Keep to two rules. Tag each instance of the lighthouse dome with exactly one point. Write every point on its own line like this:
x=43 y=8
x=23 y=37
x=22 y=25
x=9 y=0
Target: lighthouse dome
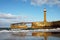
x=44 y=9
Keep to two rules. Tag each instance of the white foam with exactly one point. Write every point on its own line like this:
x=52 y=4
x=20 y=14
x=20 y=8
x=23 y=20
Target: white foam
x=37 y=30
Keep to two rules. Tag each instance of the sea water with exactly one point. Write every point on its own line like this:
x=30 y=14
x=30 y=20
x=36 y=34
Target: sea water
x=12 y=36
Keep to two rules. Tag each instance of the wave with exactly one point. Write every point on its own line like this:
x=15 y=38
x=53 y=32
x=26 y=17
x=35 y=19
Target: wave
x=36 y=30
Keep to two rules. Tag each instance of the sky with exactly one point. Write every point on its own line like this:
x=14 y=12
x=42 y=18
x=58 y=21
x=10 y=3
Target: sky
x=15 y=11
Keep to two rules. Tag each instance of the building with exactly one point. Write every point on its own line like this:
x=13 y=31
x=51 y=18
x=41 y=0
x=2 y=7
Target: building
x=18 y=26
x=45 y=24
x=40 y=24
x=36 y=25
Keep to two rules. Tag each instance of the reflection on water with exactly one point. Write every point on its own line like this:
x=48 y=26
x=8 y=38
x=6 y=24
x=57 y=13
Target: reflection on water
x=29 y=36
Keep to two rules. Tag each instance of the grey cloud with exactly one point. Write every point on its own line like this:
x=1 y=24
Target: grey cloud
x=4 y=23
x=8 y=16
x=38 y=2
x=46 y=2
x=8 y=22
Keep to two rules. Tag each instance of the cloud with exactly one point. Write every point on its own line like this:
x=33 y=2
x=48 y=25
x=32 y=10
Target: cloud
x=4 y=23
x=8 y=22
x=38 y=2
x=45 y=2
x=8 y=16
x=6 y=19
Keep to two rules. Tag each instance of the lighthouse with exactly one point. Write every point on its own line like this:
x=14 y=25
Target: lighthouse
x=44 y=15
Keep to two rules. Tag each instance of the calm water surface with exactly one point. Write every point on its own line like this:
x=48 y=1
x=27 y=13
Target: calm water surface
x=12 y=36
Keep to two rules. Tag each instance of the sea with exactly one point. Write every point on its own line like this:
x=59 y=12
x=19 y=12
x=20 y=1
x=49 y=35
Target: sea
x=18 y=36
